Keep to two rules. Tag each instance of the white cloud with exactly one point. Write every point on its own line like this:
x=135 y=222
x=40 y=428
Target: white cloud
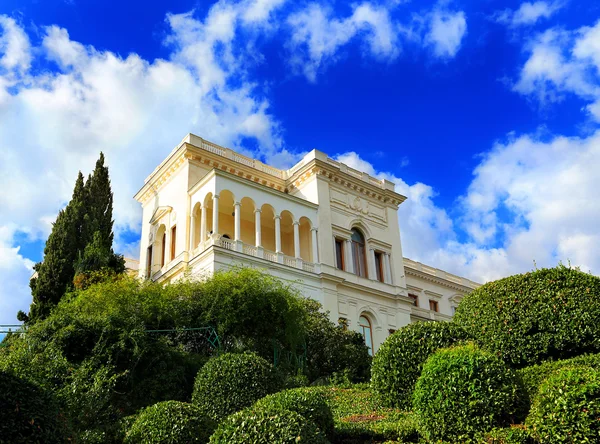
x=320 y=35
x=563 y=62
x=14 y=46
x=528 y=13
x=446 y=32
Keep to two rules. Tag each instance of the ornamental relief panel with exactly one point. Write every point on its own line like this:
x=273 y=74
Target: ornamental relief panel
x=357 y=205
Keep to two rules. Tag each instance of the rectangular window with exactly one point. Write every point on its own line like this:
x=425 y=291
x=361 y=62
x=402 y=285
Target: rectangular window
x=433 y=305
x=415 y=299
x=173 y=241
x=379 y=266
x=358 y=256
x=339 y=254
x=149 y=262
x=162 y=253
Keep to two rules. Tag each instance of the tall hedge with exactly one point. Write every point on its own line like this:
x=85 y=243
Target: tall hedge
x=398 y=363
x=28 y=413
x=529 y=318
x=464 y=391
x=232 y=382
x=566 y=408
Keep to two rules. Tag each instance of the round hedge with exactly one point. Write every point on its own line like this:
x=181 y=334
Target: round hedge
x=547 y=314
x=566 y=408
x=230 y=382
x=309 y=404
x=397 y=365
x=463 y=391
x=28 y=413
x=266 y=427
x=170 y=422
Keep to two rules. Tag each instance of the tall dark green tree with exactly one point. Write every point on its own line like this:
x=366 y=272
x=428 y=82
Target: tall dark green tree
x=80 y=242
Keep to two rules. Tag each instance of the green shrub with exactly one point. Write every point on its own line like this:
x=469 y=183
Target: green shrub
x=310 y=404
x=525 y=319
x=397 y=365
x=463 y=391
x=266 y=427
x=566 y=408
x=331 y=349
x=231 y=382
x=28 y=413
x=170 y=422
x=508 y=435
x=534 y=375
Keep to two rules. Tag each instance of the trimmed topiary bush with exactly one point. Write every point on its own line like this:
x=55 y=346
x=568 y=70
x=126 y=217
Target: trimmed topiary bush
x=566 y=408
x=231 y=382
x=397 y=365
x=28 y=413
x=266 y=427
x=170 y=422
x=534 y=375
x=525 y=319
x=464 y=391
x=311 y=404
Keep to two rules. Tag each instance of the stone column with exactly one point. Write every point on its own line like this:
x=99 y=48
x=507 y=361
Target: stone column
x=238 y=221
x=315 y=252
x=296 y=239
x=277 y=233
x=215 y=229
x=258 y=240
x=348 y=254
x=386 y=268
x=168 y=245
x=192 y=232
x=371 y=265
x=203 y=224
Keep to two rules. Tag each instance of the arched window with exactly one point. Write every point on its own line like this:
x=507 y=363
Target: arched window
x=359 y=256
x=365 y=329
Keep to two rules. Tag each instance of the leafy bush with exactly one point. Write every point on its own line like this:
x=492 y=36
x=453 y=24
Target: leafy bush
x=534 y=375
x=547 y=314
x=231 y=382
x=509 y=435
x=170 y=422
x=266 y=427
x=463 y=391
x=567 y=407
x=29 y=413
x=310 y=404
x=397 y=365
x=333 y=350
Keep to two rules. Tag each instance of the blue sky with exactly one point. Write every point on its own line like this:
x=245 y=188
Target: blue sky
x=484 y=113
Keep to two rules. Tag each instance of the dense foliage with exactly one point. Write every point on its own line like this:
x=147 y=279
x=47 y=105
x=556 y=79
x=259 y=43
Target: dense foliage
x=170 y=422
x=267 y=427
x=566 y=408
x=80 y=242
x=507 y=435
x=547 y=314
x=29 y=413
x=311 y=404
x=333 y=350
x=463 y=391
x=534 y=375
x=233 y=381
x=397 y=365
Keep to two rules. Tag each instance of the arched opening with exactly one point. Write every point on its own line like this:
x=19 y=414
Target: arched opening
x=267 y=227
x=366 y=330
x=359 y=254
x=287 y=233
x=195 y=229
x=226 y=214
x=306 y=252
x=160 y=246
x=247 y=221
x=208 y=209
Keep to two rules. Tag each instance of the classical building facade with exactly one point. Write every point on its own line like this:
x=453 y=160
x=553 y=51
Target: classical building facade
x=328 y=229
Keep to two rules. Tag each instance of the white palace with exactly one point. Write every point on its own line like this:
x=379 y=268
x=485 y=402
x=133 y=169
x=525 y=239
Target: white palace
x=328 y=229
